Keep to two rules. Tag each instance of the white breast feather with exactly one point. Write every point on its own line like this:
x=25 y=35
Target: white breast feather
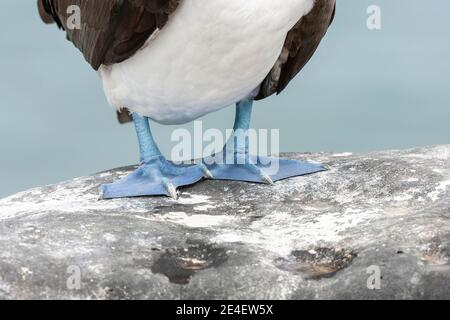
x=211 y=54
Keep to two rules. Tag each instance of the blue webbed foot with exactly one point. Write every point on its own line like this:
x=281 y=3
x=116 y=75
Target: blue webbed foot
x=235 y=163
x=261 y=169
x=154 y=177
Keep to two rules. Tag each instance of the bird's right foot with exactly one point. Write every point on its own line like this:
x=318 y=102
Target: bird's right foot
x=154 y=177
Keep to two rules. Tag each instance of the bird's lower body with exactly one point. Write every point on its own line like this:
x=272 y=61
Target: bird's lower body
x=158 y=176
x=210 y=55
x=200 y=62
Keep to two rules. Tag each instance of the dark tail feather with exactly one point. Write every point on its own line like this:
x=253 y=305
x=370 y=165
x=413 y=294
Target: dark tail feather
x=124 y=116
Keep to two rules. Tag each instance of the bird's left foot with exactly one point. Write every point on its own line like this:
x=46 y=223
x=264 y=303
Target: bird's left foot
x=259 y=169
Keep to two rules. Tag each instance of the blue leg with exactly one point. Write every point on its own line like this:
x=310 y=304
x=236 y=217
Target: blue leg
x=235 y=162
x=155 y=175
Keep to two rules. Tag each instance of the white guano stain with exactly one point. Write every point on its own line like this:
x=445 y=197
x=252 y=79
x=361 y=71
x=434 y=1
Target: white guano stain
x=411 y=180
x=110 y=237
x=192 y=221
x=281 y=232
x=441 y=188
x=205 y=208
x=343 y=154
x=194 y=199
x=403 y=197
x=63 y=199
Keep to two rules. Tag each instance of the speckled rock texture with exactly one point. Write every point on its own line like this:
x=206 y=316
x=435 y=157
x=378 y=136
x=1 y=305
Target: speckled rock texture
x=376 y=226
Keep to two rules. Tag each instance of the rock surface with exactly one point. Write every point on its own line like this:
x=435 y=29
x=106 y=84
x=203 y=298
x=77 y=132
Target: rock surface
x=323 y=236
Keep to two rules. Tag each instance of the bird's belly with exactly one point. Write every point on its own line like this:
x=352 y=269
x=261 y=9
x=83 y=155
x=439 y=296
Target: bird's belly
x=210 y=55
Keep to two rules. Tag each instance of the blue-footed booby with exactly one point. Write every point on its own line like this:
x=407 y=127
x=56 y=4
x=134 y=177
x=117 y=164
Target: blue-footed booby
x=174 y=61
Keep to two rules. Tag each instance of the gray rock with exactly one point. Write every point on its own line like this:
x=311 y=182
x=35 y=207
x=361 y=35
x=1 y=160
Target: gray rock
x=322 y=236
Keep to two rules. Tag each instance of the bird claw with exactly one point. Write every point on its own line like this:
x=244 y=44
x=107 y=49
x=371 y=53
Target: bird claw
x=208 y=174
x=171 y=190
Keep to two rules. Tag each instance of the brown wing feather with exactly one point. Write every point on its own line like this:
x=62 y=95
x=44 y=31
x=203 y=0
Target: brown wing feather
x=301 y=43
x=44 y=12
x=111 y=30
